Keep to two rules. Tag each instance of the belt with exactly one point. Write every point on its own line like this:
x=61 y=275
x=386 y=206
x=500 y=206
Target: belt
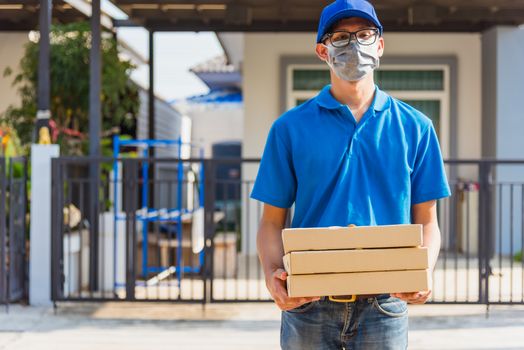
x=351 y=298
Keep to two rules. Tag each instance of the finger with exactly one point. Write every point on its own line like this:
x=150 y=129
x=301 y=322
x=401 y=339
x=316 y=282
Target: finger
x=401 y=296
x=419 y=298
x=422 y=294
x=307 y=299
x=408 y=297
x=404 y=298
x=412 y=299
x=405 y=295
x=296 y=302
x=280 y=293
x=280 y=274
x=419 y=301
x=423 y=297
x=278 y=290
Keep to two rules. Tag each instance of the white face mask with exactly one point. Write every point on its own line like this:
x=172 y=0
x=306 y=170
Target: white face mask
x=354 y=61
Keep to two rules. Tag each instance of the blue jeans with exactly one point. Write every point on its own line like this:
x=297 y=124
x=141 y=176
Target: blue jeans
x=379 y=323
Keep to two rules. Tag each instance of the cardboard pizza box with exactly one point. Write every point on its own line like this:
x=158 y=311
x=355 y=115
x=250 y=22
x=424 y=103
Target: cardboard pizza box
x=357 y=283
x=356 y=260
x=336 y=237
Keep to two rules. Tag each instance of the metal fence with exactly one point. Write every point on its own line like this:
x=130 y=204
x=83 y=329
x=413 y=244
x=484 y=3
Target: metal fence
x=182 y=235
x=13 y=230
x=141 y=255
x=482 y=227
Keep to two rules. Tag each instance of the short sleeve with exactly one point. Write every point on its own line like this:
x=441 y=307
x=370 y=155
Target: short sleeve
x=276 y=181
x=428 y=179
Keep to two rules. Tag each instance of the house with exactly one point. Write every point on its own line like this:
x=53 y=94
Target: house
x=459 y=62
x=218 y=116
x=466 y=80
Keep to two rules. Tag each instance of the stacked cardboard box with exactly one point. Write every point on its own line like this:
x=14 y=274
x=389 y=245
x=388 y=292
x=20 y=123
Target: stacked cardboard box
x=355 y=260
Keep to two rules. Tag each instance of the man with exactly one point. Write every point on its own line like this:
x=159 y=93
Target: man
x=350 y=155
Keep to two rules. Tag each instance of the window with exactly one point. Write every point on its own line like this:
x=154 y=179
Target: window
x=425 y=87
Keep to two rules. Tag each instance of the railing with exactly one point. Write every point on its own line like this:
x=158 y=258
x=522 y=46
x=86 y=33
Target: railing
x=13 y=230
x=140 y=254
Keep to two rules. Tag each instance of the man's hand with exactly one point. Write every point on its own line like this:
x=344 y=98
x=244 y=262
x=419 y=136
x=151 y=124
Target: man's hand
x=413 y=298
x=425 y=214
x=416 y=297
x=270 y=252
x=277 y=287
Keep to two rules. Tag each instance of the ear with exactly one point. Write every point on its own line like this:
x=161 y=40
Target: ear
x=322 y=52
x=380 y=48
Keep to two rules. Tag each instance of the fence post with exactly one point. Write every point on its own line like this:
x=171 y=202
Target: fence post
x=11 y=276
x=3 y=233
x=93 y=215
x=209 y=227
x=57 y=220
x=130 y=203
x=25 y=199
x=485 y=226
x=40 y=267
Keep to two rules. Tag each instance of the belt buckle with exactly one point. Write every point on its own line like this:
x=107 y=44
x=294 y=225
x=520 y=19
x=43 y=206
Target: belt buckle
x=342 y=299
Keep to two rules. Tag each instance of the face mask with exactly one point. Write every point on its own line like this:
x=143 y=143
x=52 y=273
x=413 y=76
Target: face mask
x=354 y=61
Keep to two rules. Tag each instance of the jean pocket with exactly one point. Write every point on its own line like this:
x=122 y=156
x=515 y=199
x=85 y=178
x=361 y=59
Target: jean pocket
x=393 y=307
x=303 y=308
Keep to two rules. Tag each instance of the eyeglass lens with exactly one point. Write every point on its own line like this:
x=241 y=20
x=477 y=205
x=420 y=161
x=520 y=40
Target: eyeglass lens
x=364 y=37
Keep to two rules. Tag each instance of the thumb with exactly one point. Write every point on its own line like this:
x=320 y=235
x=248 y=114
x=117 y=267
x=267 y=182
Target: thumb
x=281 y=274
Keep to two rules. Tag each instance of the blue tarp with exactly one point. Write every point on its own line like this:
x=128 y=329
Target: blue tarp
x=218 y=96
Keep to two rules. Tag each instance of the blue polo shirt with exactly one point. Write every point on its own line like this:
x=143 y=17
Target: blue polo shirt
x=339 y=172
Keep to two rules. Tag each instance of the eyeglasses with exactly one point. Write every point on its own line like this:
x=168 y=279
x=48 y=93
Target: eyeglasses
x=342 y=38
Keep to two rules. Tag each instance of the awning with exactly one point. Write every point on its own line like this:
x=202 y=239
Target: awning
x=23 y=15
x=303 y=15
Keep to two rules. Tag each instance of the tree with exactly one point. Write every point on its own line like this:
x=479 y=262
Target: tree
x=70 y=89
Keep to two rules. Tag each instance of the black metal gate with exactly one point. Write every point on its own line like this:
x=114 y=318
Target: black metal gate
x=140 y=254
x=13 y=230
x=235 y=272
x=136 y=245
x=482 y=226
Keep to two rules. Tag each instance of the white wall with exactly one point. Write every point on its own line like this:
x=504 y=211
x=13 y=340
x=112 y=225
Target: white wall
x=210 y=125
x=11 y=51
x=168 y=123
x=503 y=125
x=262 y=91
x=262 y=82
x=467 y=49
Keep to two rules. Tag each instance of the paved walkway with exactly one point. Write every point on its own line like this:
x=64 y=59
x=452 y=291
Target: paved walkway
x=232 y=326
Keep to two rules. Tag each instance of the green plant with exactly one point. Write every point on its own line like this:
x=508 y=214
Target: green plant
x=518 y=256
x=70 y=89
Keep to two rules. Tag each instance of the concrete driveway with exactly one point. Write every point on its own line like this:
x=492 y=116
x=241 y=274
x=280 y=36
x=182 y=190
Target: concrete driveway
x=133 y=326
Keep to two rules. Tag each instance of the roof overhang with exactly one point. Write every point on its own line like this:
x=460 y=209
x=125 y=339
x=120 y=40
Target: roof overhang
x=303 y=15
x=23 y=15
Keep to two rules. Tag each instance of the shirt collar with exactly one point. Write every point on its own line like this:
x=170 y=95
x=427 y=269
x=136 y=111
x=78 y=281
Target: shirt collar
x=325 y=99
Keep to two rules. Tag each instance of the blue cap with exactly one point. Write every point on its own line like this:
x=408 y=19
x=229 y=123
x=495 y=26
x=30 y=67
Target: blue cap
x=341 y=9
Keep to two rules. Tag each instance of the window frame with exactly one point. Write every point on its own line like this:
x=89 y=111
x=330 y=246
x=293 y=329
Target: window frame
x=443 y=96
